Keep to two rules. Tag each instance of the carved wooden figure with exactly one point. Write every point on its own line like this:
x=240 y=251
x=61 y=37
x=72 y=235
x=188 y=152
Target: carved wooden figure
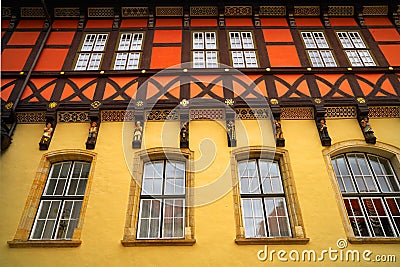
x=137 y=135
x=184 y=135
x=323 y=132
x=367 y=130
x=231 y=132
x=280 y=141
x=92 y=137
x=46 y=136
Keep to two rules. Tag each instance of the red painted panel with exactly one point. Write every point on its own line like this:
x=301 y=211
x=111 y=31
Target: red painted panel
x=5 y=23
x=233 y=22
x=273 y=22
x=385 y=34
x=13 y=59
x=101 y=23
x=164 y=57
x=60 y=38
x=308 y=22
x=169 y=22
x=133 y=23
x=167 y=36
x=391 y=53
x=65 y=24
x=377 y=21
x=23 y=38
x=2 y=33
x=51 y=59
x=276 y=58
x=277 y=35
x=203 y=22
x=343 y=22
x=30 y=24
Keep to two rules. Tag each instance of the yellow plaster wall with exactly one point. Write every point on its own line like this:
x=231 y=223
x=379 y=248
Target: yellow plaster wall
x=214 y=222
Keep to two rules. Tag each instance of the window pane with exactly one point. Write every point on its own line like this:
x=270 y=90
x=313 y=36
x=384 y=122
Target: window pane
x=100 y=42
x=120 y=61
x=308 y=40
x=249 y=181
x=211 y=59
x=366 y=58
x=88 y=42
x=198 y=40
x=124 y=41
x=137 y=41
x=357 y=40
x=198 y=59
x=234 y=38
x=211 y=41
x=345 y=40
x=277 y=216
x=247 y=40
x=174 y=178
x=152 y=178
x=173 y=218
x=315 y=58
x=237 y=59
x=254 y=222
x=133 y=61
x=82 y=62
x=320 y=40
x=149 y=219
x=353 y=58
x=328 y=58
x=251 y=59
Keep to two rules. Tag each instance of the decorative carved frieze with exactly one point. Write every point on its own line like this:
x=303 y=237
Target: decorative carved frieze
x=32 y=12
x=384 y=112
x=162 y=114
x=306 y=11
x=238 y=11
x=31 y=117
x=272 y=11
x=340 y=112
x=202 y=11
x=116 y=115
x=297 y=113
x=100 y=12
x=6 y=12
x=252 y=113
x=340 y=11
x=375 y=10
x=135 y=12
x=169 y=11
x=212 y=114
x=73 y=116
x=66 y=12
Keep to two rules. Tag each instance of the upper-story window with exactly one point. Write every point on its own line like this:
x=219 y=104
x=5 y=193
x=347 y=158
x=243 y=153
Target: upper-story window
x=355 y=49
x=91 y=51
x=204 y=50
x=371 y=194
x=318 y=49
x=242 y=50
x=129 y=51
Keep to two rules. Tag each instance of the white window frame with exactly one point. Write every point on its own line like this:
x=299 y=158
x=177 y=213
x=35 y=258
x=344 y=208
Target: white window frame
x=204 y=49
x=149 y=194
x=243 y=51
x=366 y=221
x=318 y=50
x=263 y=186
x=92 y=51
x=129 y=51
x=51 y=195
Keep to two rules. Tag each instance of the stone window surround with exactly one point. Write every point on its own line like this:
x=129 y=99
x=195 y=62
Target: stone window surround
x=21 y=238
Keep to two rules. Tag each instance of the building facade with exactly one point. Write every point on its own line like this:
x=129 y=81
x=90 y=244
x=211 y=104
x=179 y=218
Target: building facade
x=174 y=134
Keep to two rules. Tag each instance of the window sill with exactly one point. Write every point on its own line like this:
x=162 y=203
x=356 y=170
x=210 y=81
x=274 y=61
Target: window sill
x=272 y=240
x=374 y=240
x=157 y=242
x=44 y=243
